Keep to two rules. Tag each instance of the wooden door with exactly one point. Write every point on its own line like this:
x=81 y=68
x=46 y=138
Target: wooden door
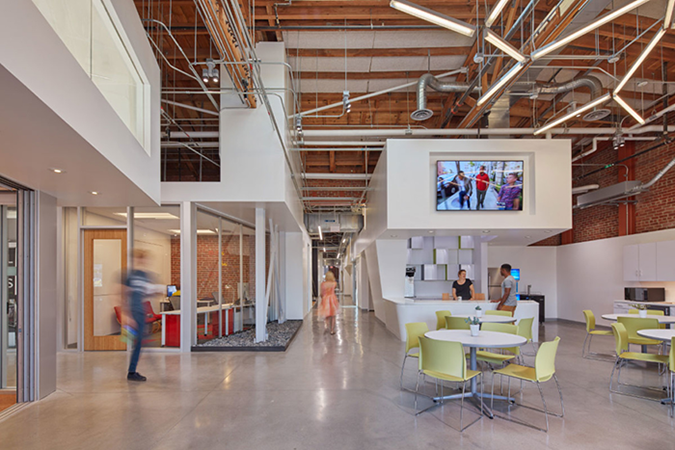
x=105 y=263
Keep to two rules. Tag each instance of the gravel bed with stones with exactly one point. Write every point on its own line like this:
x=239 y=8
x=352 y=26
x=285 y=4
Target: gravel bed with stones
x=278 y=336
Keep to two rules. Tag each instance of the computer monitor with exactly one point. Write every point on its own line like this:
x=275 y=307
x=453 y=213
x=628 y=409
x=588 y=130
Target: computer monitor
x=171 y=289
x=515 y=273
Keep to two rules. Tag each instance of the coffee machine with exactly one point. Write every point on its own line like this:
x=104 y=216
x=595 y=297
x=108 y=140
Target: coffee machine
x=409 y=282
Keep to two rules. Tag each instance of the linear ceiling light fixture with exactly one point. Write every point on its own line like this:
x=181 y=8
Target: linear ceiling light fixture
x=320 y=233
x=598 y=101
x=628 y=109
x=638 y=62
x=500 y=83
x=545 y=50
x=432 y=16
x=504 y=46
x=495 y=12
x=668 y=19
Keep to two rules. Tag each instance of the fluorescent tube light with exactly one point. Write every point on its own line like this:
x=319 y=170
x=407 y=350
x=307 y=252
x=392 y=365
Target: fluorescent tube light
x=545 y=50
x=645 y=52
x=668 y=19
x=574 y=113
x=148 y=215
x=629 y=110
x=432 y=16
x=500 y=83
x=504 y=46
x=495 y=12
x=320 y=233
x=204 y=231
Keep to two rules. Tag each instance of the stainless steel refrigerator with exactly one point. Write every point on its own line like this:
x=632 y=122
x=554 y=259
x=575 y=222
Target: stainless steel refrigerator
x=494 y=283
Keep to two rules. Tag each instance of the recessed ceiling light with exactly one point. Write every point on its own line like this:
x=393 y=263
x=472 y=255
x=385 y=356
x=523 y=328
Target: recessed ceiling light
x=393 y=235
x=486 y=231
x=431 y=231
x=55 y=170
x=94 y=193
x=547 y=231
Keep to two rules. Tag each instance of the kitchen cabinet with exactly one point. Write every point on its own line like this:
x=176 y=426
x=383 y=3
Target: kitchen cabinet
x=639 y=262
x=665 y=261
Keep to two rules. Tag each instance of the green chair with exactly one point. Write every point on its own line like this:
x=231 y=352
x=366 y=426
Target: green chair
x=456 y=323
x=671 y=366
x=525 y=330
x=623 y=356
x=494 y=312
x=440 y=318
x=499 y=358
x=413 y=332
x=651 y=312
x=590 y=332
x=634 y=324
x=445 y=361
x=543 y=370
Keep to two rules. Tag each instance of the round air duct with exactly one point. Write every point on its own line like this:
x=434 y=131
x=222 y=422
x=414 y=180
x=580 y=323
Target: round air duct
x=421 y=114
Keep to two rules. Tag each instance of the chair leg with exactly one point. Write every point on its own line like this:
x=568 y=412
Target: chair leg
x=583 y=348
x=611 y=377
x=672 y=394
x=543 y=400
x=562 y=405
x=481 y=395
x=403 y=367
x=417 y=387
x=461 y=408
x=492 y=393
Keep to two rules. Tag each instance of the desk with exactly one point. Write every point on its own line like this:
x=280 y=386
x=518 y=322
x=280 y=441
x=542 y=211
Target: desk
x=485 y=339
x=174 y=318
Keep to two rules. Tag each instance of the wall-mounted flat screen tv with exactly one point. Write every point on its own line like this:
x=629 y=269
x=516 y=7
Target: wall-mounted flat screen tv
x=479 y=186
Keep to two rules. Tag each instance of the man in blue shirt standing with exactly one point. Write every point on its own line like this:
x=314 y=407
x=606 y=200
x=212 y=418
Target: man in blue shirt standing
x=138 y=288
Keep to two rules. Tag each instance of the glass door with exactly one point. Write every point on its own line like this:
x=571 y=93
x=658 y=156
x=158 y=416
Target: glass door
x=8 y=300
x=105 y=263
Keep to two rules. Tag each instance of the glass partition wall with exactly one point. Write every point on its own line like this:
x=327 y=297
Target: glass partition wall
x=225 y=277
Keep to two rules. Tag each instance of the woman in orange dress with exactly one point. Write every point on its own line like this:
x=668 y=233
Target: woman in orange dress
x=329 y=301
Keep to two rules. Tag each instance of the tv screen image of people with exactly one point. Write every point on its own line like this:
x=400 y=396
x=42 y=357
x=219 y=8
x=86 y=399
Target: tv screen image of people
x=479 y=186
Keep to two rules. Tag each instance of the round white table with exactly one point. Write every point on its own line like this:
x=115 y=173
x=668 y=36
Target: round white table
x=489 y=318
x=485 y=339
x=662 y=319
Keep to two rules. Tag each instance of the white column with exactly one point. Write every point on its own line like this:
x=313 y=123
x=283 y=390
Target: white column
x=260 y=303
x=188 y=276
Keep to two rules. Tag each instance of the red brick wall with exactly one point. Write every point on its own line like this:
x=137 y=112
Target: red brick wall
x=550 y=241
x=655 y=209
x=336 y=185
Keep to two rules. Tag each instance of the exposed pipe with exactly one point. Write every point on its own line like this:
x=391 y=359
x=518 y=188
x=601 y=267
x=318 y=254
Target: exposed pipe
x=584 y=189
x=428 y=80
x=586 y=81
x=658 y=176
x=193 y=108
x=594 y=147
x=394 y=133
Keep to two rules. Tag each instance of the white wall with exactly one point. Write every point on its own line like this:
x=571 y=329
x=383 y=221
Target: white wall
x=590 y=274
x=538 y=267
x=296 y=286
x=411 y=184
x=78 y=130
x=46 y=294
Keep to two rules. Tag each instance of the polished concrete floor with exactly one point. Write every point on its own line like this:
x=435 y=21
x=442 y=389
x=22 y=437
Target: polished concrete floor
x=326 y=392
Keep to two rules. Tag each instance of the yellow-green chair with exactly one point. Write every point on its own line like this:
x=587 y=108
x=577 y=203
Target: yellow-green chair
x=499 y=358
x=525 y=330
x=440 y=318
x=543 y=370
x=634 y=324
x=494 y=312
x=590 y=332
x=671 y=366
x=413 y=332
x=445 y=361
x=651 y=312
x=456 y=323
x=623 y=356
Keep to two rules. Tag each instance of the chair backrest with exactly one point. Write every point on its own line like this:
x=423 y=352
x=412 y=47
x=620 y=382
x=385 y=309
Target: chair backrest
x=175 y=302
x=671 y=357
x=494 y=312
x=413 y=332
x=620 y=338
x=148 y=308
x=590 y=320
x=525 y=327
x=442 y=356
x=544 y=362
x=440 y=318
x=456 y=323
x=650 y=312
x=633 y=324
x=503 y=328
x=479 y=296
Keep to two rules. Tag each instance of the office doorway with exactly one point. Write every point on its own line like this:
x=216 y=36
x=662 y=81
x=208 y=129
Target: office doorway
x=105 y=263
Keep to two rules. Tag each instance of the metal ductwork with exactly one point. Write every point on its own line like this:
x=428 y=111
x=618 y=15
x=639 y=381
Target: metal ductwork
x=334 y=222
x=587 y=81
x=422 y=113
x=619 y=191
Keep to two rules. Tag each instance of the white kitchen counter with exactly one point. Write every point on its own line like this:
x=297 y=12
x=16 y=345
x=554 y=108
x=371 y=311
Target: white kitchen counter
x=400 y=311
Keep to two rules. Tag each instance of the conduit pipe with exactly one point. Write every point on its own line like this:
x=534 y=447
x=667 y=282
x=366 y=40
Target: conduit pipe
x=594 y=148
